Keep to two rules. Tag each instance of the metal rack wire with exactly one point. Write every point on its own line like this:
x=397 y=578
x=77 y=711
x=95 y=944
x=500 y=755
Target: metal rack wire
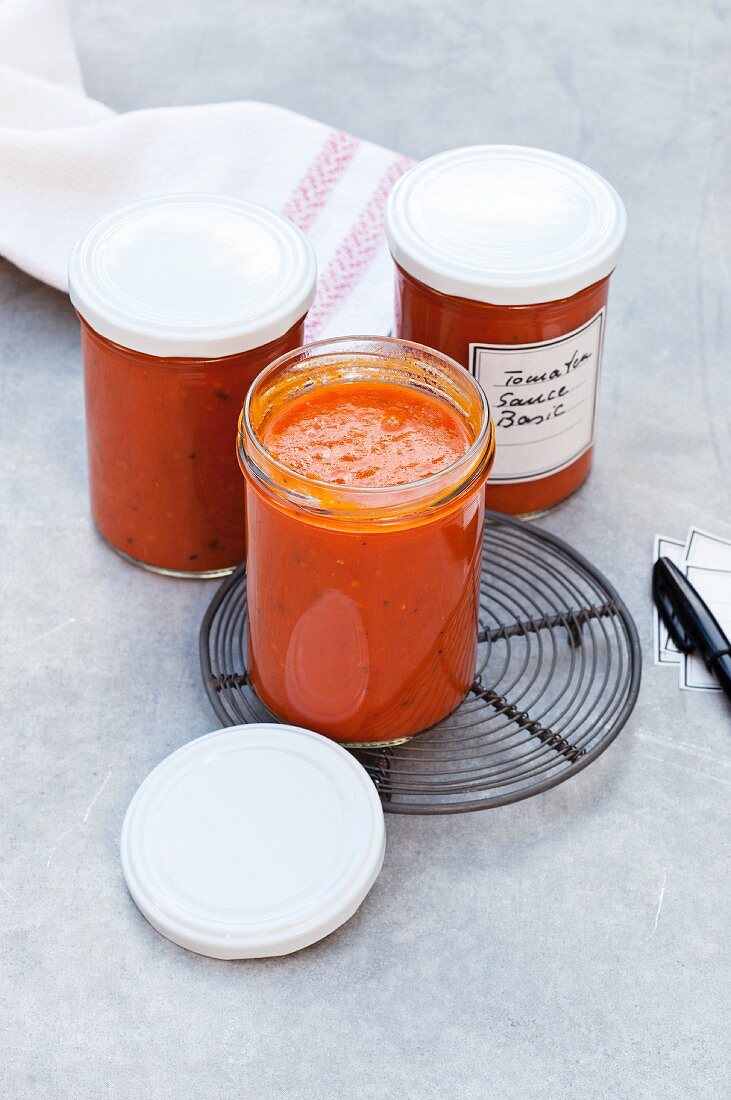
x=557 y=676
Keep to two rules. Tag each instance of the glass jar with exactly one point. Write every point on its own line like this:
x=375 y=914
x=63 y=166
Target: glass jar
x=363 y=601
x=503 y=256
x=183 y=300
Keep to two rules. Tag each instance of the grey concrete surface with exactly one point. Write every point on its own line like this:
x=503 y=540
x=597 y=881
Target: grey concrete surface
x=569 y=946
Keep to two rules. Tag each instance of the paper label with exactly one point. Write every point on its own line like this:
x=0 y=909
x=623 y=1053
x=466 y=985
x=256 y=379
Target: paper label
x=713 y=586
x=542 y=398
x=706 y=561
x=666 y=651
x=708 y=568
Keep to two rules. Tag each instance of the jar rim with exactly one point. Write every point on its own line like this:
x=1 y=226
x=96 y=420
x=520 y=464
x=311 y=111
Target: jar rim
x=473 y=464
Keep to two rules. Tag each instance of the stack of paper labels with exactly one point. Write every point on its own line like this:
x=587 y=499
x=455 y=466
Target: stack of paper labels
x=706 y=561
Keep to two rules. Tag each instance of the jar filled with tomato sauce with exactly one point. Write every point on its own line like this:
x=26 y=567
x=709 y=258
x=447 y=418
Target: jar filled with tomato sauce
x=503 y=256
x=183 y=300
x=365 y=463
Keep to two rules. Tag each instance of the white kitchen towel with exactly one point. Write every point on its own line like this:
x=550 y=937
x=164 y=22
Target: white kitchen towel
x=66 y=159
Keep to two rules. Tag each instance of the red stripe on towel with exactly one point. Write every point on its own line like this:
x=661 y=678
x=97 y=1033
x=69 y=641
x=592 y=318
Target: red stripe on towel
x=316 y=186
x=354 y=254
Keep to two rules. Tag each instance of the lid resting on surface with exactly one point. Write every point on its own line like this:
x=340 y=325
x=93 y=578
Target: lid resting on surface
x=253 y=841
x=505 y=224
x=194 y=276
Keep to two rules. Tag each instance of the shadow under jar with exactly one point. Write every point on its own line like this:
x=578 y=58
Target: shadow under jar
x=503 y=256
x=363 y=585
x=183 y=301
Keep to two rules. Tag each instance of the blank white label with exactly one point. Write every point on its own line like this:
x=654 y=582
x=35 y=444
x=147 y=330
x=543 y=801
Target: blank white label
x=542 y=399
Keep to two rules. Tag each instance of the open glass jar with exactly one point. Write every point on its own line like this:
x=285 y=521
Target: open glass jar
x=183 y=300
x=503 y=256
x=363 y=600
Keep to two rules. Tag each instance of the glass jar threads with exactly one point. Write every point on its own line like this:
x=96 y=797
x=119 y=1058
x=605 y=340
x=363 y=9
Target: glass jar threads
x=503 y=256
x=183 y=300
x=365 y=462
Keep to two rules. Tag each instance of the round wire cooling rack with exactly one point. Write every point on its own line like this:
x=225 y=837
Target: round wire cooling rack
x=558 y=672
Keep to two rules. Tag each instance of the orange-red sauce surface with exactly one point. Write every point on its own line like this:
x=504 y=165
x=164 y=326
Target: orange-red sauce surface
x=360 y=630
x=368 y=434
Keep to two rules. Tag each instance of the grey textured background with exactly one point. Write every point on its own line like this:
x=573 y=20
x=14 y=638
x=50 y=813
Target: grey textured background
x=519 y=953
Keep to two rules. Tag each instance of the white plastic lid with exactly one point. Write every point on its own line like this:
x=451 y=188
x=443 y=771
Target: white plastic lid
x=195 y=276
x=253 y=841
x=505 y=224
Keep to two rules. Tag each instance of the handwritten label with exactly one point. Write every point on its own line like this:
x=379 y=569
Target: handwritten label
x=542 y=398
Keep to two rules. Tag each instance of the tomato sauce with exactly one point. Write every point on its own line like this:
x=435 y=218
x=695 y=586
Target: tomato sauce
x=503 y=256
x=364 y=512
x=183 y=300
x=454 y=324
x=376 y=433
x=164 y=481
